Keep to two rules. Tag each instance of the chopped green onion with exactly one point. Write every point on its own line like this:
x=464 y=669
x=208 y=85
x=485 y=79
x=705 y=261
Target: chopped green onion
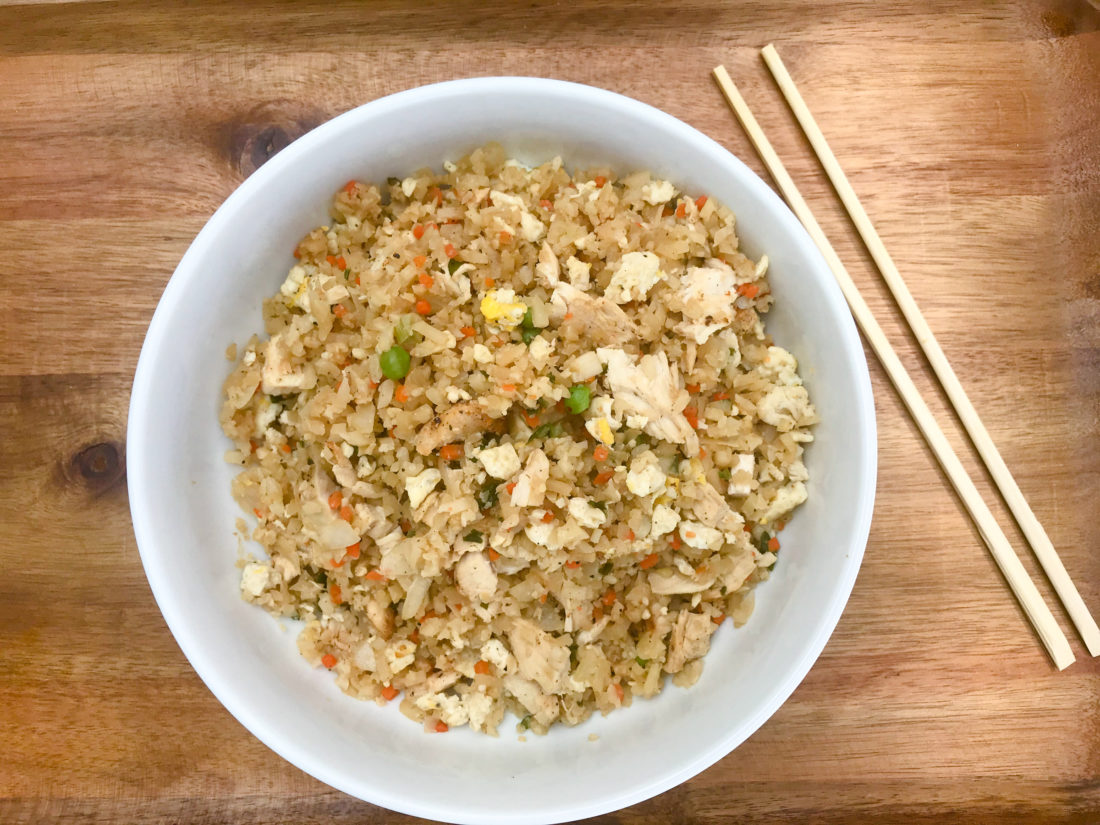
x=402 y=330
x=551 y=429
x=347 y=274
x=580 y=396
x=487 y=495
x=395 y=363
x=643 y=663
x=453 y=265
x=762 y=542
x=599 y=505
x=724 y=474
x=525 y=722
x=528 y=329
x=475 y=536
x=606 y=568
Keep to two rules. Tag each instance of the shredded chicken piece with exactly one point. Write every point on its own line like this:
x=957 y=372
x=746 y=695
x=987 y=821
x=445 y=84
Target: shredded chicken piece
x=346 y=476
x=381 y=614
x=652 y=388
x=706 y=300
x=475 y=577
x=711 y=508
x=437 y=683
x=279 y=375
x=530 y=489
x=319 y=522
x=592 y=317
x=690 y=640
x=544 y=708
x=548 y=269
x=742 y=569
x=541 y=657
x=667 y=581
x=587 y=637
x=453 y=424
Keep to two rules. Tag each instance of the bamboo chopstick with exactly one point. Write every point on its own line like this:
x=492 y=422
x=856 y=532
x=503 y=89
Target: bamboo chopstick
x=1024 y=589
x=1029 y=524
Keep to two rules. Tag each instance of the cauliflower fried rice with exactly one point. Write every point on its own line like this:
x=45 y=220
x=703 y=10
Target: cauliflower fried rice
x=516 y=440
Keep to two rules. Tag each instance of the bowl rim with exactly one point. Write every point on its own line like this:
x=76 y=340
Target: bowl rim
x=138 y=465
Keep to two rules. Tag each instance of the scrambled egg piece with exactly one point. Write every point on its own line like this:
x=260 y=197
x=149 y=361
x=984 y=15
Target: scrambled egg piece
x=600 y=430
x=664 y=520
x=418 y=486
x=400 y=655
x=584 y=366
x=658 y=192
x=786 y=408
x=500 y=462
x=585 y=514
x=780 y=366
x=700 y=536
x=785 y=500
x=255 y=578
x=296 y=288
x=265 y=416
x=451 y=710
x=539 y=350
x=500 y=307
x=494 y=652
x=741 y=475
x=531 y=227
x=602 y=426
x=645 y=476
x=636 y=275
x=578 y=272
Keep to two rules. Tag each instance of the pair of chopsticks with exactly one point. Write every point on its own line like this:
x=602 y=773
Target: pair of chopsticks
x=1009 y=563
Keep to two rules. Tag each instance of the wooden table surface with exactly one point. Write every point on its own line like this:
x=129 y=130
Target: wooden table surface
x=972 y=130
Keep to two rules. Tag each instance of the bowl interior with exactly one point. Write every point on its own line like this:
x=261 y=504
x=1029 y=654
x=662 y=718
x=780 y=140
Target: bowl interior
x=184 y=516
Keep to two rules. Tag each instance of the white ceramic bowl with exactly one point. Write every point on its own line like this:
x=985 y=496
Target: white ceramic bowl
x=183 y=514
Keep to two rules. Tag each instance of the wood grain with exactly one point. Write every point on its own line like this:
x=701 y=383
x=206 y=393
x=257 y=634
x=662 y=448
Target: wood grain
x=971 y=132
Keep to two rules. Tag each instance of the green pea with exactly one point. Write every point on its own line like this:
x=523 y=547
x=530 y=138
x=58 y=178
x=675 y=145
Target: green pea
x=579 y=398
x=395 y=363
